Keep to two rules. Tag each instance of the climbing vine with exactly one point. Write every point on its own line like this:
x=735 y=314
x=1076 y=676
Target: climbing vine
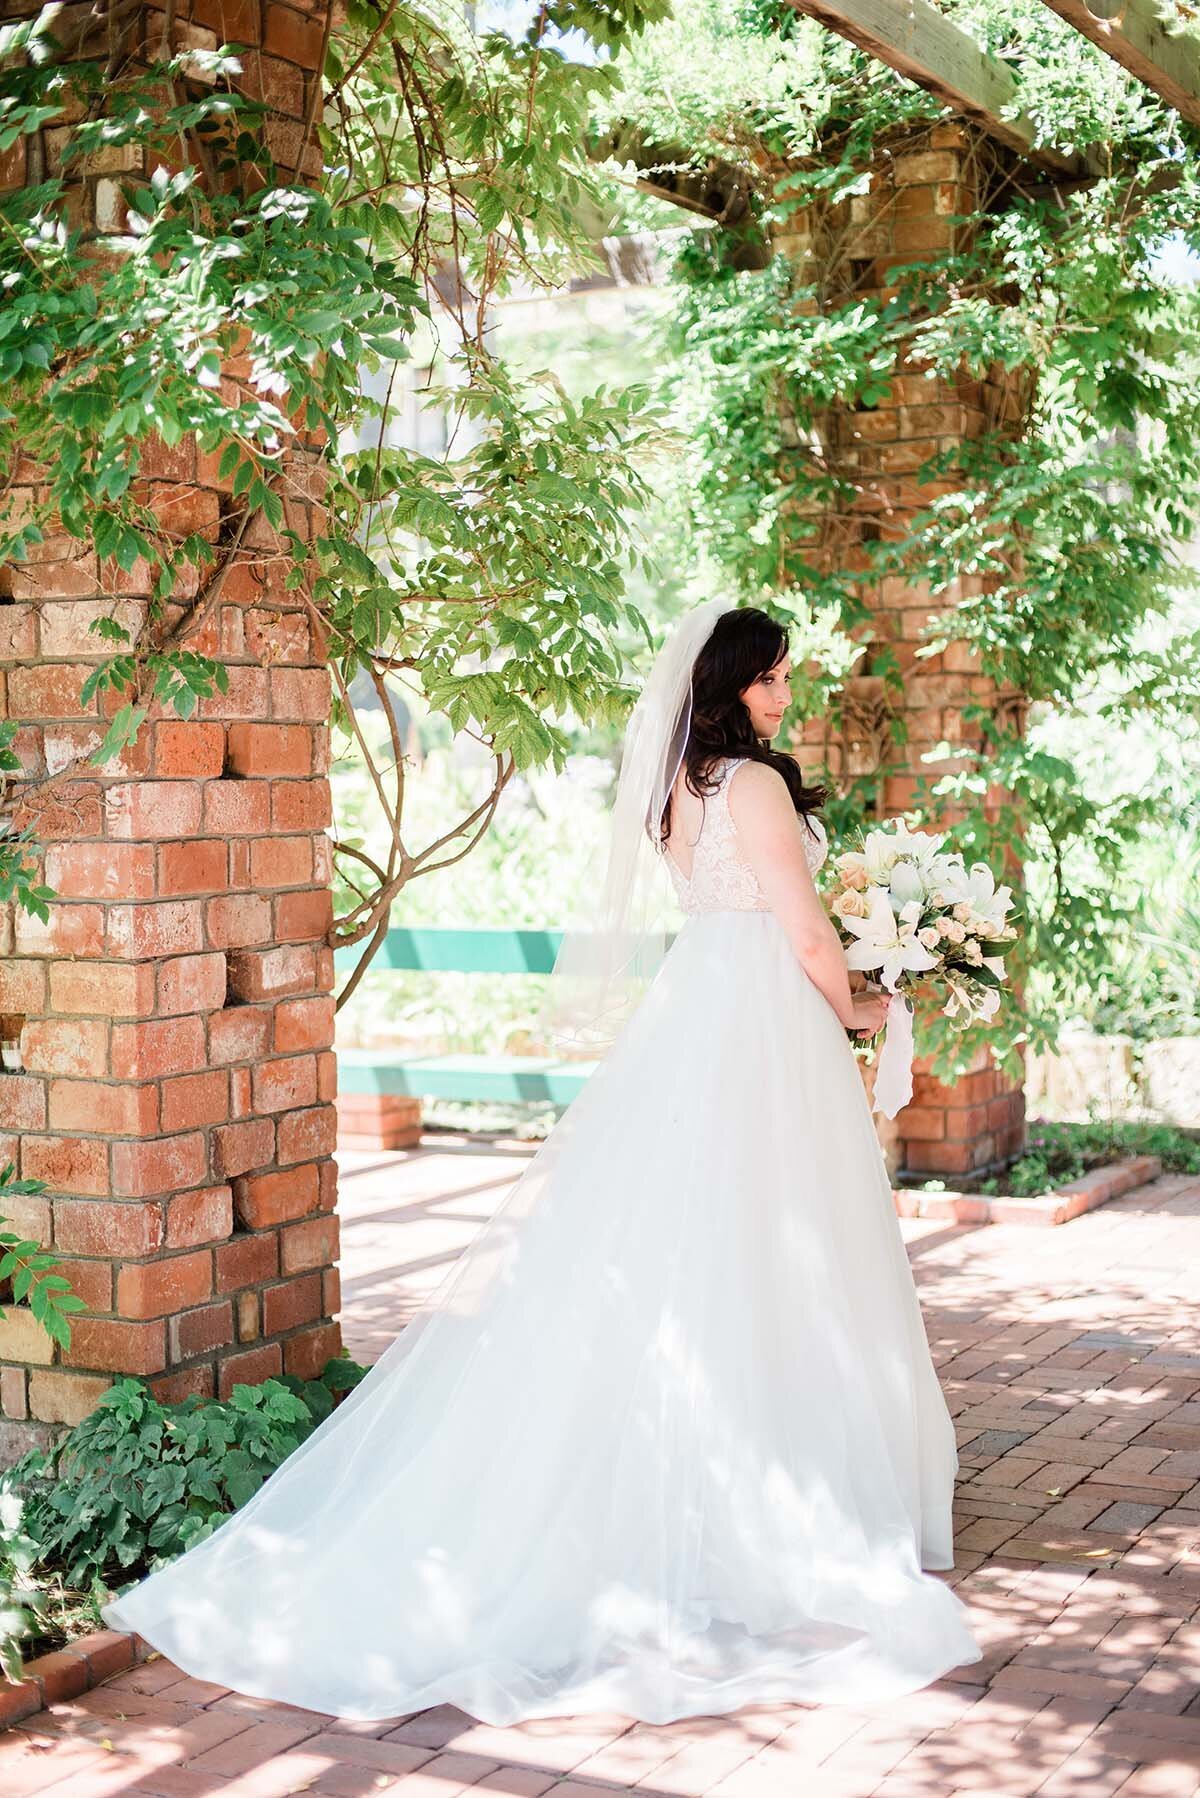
x=269 y=319
x=1049 y=544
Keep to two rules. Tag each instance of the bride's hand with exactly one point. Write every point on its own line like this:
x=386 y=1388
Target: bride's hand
x=869 y=1013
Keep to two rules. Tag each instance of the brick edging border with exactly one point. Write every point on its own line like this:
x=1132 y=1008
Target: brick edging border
x=1057 y=1207
x=66 y=1672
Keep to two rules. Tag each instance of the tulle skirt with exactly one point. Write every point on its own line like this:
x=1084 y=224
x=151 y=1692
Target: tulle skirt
x=667 y=1440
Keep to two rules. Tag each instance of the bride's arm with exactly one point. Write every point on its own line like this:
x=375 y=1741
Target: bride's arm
x=770 y=839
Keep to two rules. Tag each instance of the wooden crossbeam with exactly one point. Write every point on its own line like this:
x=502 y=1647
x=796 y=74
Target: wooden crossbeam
x=921 y=43
x=1138 y=36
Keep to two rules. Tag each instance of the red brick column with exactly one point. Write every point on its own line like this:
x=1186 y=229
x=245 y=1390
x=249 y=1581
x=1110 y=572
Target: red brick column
x=174 y=1020
x=919 y=185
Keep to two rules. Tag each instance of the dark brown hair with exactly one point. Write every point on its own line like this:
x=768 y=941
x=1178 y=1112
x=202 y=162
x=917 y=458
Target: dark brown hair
x=744 y=644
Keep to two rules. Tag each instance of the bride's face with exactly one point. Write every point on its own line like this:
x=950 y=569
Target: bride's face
x=768 y=698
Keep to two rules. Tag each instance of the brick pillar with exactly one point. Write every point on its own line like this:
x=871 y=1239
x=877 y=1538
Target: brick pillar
x=918 y=185
x=174 y=1018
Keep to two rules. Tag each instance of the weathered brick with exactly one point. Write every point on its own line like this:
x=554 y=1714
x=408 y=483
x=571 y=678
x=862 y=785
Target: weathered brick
x=261 y=1200
x=67 y=1163
x=281 y=861
x=157 y=1046
x=238 y=920
x=152 y=1164
x=302 y=693
x=74 y=930
x=304 y=1024
x=248 y=1316
x=91 y=1278
x=14 y=1403
x=306 y=1135
x=101 y=870
x=198 y=1332
x=239 y=1033
x=77 y=1046
x=118 y=1345
x=285 y=1084
x=237 y=807
x=51 y=690
x=188 y=748
x=106 y=989
x=150 y=809
x=246 y=1260
x=22 y=1102
x=22 y=986
x=293 y=1302
x=197 y=1377
x=250 y=1368
x=159 y=1288
x=22 y=1338
x=66 y=626
x=192 y=983
x=262 y=750
x=57 y=1395
x=205 y=1215
x=197 y=867
x=300 y=805
x=306 y=1353
x=272 y=973
x=191 y=1101
x=103 y=1109
x=302 y=916
x=237 y=1148
x=168 y=927
x=311 y=1243
x=84 y=1227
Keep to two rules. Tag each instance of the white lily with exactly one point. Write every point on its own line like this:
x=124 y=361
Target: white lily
x=907 y=884
x=887 y=940
x=976 y=888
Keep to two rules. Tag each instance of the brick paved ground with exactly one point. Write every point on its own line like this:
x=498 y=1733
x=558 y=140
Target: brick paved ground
x=1071 y=1362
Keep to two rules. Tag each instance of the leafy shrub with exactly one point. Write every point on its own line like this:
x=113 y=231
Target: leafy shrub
x=1060 y=1153
x=27 y=1270
x=24 y=1601
x=137 y=1482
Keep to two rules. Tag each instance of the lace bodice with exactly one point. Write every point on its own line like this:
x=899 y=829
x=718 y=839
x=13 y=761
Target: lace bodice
x=720 y=880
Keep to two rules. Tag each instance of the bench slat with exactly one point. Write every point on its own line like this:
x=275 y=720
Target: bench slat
x=434 y=949
x=512 y=1078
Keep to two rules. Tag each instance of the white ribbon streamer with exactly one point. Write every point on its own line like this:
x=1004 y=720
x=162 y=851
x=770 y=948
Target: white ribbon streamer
x=893 y=1070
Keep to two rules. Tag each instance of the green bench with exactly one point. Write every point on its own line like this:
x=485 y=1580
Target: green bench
x=504 y=1078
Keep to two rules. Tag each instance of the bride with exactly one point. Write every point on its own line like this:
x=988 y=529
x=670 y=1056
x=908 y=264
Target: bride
x=668 y=1440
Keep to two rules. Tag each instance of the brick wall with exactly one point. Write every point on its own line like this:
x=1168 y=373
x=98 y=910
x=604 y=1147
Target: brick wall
x=173 y=1020
x=919 y=185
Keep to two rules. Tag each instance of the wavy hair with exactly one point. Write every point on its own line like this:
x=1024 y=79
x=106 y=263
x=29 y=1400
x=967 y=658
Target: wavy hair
x=744 y=645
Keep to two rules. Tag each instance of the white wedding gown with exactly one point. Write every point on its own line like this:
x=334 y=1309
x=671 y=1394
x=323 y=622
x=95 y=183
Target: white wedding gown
x=667 y=1441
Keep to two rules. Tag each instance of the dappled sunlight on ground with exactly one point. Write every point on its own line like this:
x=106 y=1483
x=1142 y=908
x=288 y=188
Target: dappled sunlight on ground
x=1070 y=1359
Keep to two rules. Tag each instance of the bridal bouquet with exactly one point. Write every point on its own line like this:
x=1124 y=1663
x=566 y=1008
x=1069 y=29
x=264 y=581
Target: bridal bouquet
x=913 y=913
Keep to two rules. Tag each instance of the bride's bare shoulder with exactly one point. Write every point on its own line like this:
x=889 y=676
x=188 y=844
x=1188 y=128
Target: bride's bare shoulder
x=758 y=792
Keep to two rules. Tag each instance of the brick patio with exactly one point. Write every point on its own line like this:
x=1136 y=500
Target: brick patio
x=1071 y=1362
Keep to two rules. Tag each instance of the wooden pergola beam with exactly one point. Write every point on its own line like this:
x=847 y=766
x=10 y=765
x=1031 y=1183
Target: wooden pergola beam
x=921 y=43
x=1139 y=38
